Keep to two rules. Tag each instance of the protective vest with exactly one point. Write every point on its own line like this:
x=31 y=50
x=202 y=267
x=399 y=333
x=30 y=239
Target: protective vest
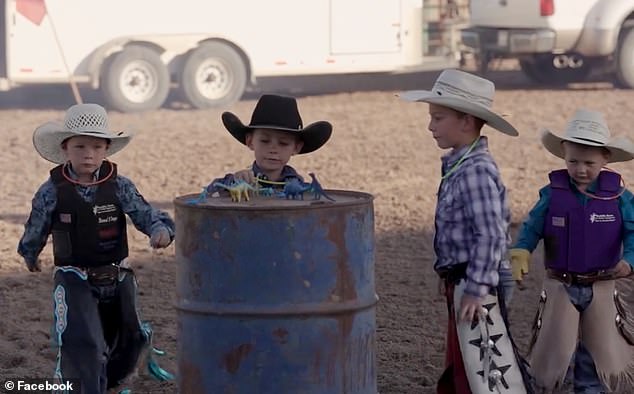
x=578 y=238
x=88 y=234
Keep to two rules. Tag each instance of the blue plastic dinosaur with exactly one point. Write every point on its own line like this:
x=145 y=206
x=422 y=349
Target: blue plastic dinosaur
x=294 y=189
x=317 y=190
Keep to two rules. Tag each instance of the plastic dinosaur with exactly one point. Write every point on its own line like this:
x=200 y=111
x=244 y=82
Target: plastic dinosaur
x=237 y=190
x=294 y=189
x=317 y=189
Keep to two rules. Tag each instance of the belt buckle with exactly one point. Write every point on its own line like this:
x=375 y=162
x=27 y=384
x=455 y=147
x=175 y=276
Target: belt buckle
x=104 y=275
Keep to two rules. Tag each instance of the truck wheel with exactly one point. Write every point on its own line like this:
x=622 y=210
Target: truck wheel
x=213 y=75
x=135 y=79
x=541 y=68
x=625 y=60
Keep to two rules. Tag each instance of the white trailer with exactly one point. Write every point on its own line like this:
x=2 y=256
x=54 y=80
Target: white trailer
x=210 y=50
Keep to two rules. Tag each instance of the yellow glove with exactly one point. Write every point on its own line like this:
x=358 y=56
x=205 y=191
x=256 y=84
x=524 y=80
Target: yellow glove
x=519 y=263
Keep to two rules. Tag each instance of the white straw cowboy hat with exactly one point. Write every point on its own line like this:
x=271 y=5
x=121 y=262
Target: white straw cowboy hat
x=466 y=93
x=589 y=128
x=81 y=119
x=280 y=113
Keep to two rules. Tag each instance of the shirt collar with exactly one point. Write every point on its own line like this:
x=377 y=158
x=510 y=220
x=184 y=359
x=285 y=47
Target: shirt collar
x=455 y=154
x=73 y=174
x=287 y=172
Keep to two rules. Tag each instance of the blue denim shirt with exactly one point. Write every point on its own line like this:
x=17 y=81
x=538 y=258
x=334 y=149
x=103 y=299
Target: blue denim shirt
x=532 y=229
x=38 y=226
x=288 y=173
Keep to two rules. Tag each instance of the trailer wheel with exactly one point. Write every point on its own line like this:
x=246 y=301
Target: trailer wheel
x=135 y=79
x=213 y=75
x=625 y=60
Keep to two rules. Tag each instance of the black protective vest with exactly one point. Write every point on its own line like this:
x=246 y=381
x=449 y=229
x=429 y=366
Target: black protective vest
x=88 y=234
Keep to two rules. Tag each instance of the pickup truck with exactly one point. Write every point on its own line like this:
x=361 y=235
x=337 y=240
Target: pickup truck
x=555 y=41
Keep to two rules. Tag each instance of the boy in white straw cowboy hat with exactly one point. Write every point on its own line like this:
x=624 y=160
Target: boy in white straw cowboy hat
x=585 y=216
x=275 y=134
x=471 y=240
x=84 y=205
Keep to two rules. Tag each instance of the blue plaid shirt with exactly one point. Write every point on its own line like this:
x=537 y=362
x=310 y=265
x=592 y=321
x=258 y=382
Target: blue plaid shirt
x=37 y=228
x=472 y=218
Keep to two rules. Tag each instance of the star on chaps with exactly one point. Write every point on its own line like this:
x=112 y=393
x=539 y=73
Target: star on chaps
x=488 y=352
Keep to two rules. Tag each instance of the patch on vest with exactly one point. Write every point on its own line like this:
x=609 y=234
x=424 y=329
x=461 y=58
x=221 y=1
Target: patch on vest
x=559 y=221
x=602 y=218
x=65 y=217
x=108 y=208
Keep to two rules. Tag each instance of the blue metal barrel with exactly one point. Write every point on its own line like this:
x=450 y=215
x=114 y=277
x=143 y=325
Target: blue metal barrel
x=276 y=296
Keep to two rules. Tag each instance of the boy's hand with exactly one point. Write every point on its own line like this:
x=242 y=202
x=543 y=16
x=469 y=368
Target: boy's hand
x=469 y=307
x=519 y=263
x=622 y=269
x=245 y=175
x=35 y=267
x=160 y=238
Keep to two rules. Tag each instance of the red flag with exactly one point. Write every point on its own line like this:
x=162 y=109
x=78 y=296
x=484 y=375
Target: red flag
x=33 y=10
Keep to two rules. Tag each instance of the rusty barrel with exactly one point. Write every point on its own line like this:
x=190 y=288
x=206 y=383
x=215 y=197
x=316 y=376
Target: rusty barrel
x=276 y=296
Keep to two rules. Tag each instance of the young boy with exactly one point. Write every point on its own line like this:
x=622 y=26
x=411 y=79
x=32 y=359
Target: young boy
x=586 y=219
x=472 y=220
x=84 y=205
x=274 y=135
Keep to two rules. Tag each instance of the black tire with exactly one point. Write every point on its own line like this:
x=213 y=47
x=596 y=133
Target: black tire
x=541 y=68
x=625 y=60
x=213 y=75
x=135 y=79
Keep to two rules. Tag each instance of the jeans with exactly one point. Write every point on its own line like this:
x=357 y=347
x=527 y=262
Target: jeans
x=586 y=379
x=507 y=283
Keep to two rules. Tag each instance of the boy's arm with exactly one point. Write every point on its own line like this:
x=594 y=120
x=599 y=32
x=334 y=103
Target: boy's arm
x=484 y=210
x=38 y=226
x=626 y=205
x=146 y=219
x=532 y=230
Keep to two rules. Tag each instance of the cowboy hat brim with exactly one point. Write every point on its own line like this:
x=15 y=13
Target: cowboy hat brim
x=491 y=118
x=48 y=138
x=620 y=149
x=314 y=136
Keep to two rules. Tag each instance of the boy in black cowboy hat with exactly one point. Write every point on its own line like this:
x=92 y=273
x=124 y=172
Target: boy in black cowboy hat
x=274 y=134
x=84 y=205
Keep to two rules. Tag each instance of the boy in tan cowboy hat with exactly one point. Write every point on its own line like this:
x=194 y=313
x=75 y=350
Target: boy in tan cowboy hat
x=84 y=205
x=472 y=220
x=586 y=218
x=275 y=133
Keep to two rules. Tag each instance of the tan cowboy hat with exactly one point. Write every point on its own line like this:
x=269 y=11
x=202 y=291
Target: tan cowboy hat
x=466 y=93
x=589 y=128
x=81 y=119
x=280 y=113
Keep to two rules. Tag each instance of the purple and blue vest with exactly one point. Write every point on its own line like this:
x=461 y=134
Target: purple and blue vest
x=578 y=238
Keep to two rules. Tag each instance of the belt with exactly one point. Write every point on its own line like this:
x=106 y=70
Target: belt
x=453 y=273
x=571 y=278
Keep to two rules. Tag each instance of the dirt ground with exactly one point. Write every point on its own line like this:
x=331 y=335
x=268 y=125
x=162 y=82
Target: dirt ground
x=380 y=145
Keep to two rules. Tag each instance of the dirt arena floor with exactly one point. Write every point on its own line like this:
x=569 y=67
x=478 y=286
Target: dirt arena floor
x=380 y=145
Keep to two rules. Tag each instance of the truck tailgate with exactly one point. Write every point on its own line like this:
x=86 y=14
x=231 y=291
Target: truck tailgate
x=526 y=13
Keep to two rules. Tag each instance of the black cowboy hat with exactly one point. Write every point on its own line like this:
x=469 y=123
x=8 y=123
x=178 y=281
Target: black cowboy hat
x=280 y=113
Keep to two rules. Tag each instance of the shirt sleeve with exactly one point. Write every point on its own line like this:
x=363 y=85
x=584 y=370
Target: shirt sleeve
x=145 y=218
x=38 y=225
x=532 y=230
x=485 y=212
x=626 y=205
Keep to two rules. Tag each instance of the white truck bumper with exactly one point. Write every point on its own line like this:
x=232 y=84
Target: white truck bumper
x=508 y=41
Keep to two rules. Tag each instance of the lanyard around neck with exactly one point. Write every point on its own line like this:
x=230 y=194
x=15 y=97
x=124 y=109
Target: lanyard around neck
x=459 y=162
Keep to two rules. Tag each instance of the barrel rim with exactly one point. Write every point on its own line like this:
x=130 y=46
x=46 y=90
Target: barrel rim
x=362 y=200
